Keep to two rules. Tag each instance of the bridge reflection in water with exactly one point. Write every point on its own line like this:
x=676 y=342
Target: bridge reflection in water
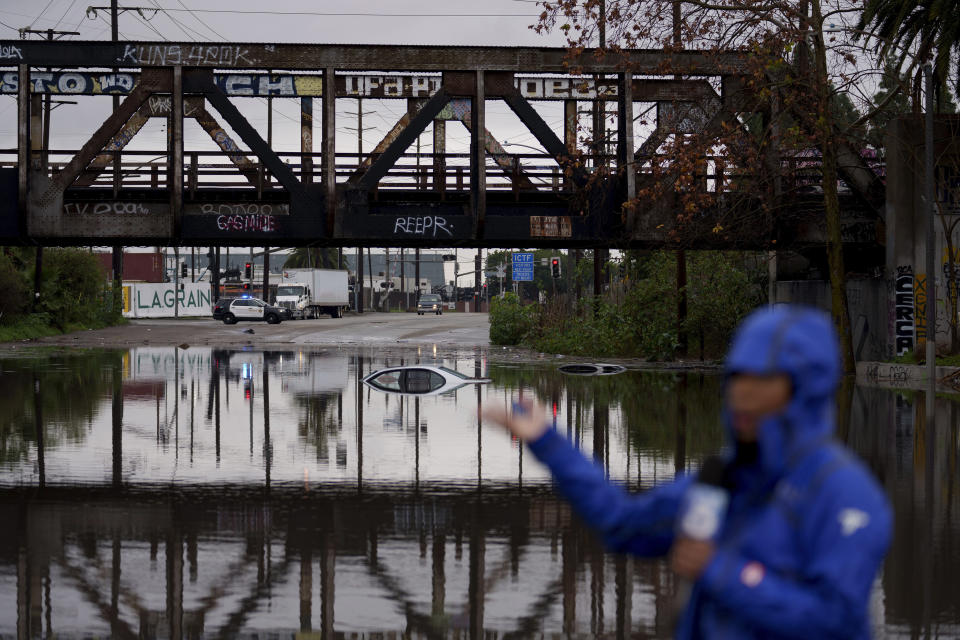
x=185 y=493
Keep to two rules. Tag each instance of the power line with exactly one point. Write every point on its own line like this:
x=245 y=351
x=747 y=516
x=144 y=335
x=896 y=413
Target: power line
x=370 y=14
x=41 y=13
x=72 y=2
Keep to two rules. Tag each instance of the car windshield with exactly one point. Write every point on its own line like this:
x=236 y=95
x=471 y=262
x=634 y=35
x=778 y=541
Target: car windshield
x=289 y=291
x=456 y=373
x=429 y=299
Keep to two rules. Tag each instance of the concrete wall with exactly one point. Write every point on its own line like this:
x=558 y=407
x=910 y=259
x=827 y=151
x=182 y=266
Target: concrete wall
x=869 y=310
x=906 y=228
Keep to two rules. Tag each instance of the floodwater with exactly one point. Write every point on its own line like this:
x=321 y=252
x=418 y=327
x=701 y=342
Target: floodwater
x=165 y=492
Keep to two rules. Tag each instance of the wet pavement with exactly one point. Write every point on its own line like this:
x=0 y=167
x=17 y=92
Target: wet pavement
x=215 y=492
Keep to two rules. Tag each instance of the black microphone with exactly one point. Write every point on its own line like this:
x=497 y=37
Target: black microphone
x=702 y=510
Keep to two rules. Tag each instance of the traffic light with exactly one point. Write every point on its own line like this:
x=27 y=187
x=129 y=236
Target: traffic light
x=555 y=267
x=247 y=270
x=183 y=269
x=246 y=286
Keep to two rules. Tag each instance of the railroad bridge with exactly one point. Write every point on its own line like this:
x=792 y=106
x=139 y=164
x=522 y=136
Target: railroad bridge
x=245 y=193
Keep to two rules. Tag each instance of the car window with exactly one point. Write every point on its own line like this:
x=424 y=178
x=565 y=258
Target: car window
x=430 y=298
x=389 y=380
x=241 y=303
x=421 y=381
x=456 y=373
x=258 y=303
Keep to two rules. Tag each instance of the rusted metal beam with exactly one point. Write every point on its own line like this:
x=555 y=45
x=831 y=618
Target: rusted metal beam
x=403 y=140
x=151 y=82
x=159 y=106
x=222 y=139
x=543 y=133
x=357 y=57
x=382 y=146
x=202 y=82
x=306 y=140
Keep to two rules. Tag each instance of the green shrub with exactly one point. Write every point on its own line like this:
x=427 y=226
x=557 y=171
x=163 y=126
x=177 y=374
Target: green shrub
x=14 y=292
x=510 y=321
x=72 y=288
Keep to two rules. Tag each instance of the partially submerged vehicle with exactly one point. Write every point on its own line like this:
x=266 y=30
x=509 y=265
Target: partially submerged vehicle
x=419 y=380
x=592 y=369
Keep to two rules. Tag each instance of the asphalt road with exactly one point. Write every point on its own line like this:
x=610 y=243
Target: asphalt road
x=368 y=329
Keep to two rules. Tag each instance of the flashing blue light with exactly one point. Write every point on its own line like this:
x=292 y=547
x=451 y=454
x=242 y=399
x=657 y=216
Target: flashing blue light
x=246 y=296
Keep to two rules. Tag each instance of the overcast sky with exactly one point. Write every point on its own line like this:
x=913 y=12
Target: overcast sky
x=492 y=22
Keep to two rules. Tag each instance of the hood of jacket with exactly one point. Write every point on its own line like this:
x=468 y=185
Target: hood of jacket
x=799 y=342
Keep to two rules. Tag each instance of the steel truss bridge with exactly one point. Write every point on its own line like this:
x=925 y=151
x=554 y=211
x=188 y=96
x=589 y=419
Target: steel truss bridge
x=247 y=193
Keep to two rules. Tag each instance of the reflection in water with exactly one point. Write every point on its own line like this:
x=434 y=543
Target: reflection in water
x=166 y=492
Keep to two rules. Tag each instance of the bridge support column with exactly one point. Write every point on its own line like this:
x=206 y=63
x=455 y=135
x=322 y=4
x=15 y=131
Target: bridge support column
x=329 y=146
x=478 y=154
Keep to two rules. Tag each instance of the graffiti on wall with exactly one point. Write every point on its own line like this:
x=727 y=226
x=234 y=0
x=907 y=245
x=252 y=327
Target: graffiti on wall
x=920 y=308
x=903 y=310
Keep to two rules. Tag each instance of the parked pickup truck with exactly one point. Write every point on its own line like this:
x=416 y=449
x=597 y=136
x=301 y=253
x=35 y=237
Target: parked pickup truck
x=308 y=293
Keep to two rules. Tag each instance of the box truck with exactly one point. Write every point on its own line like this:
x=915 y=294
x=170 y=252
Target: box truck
x=308 y=293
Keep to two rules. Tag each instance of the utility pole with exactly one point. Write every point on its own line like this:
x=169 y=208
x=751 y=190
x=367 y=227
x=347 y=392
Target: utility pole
x=403 y=285
x=387 y=278
x=44 y=152
x=358 y=282
x=599 y=113
x=416 y=274
x=681 y=254
x=930 y=210
x=117 y=249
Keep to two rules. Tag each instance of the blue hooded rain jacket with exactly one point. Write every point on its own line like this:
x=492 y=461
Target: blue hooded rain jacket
x=807 y=526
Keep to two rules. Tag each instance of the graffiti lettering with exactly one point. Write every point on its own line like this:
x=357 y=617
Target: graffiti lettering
x=8 y=52
x=892 y=374
x=248 y=223
x=422 y=226
x=244 y=209
x=160 y=104
x=388 y=86
x=903 y=310
x=859 y=231
x=920 y=307
x=195 y=56
x=70 y=82
x=565 y=88
x=104 y=208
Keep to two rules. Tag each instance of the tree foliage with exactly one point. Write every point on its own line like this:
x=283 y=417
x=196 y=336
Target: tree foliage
x=909 y=30
x=637 y=317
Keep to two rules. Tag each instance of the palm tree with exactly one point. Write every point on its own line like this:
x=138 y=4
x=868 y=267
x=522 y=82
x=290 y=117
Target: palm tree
x=312 y=257
x=929 y=28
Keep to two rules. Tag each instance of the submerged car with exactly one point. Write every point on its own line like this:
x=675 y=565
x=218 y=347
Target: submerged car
x=430 y=303
x=233 y=310
x=419 y=380
x=599 y=369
